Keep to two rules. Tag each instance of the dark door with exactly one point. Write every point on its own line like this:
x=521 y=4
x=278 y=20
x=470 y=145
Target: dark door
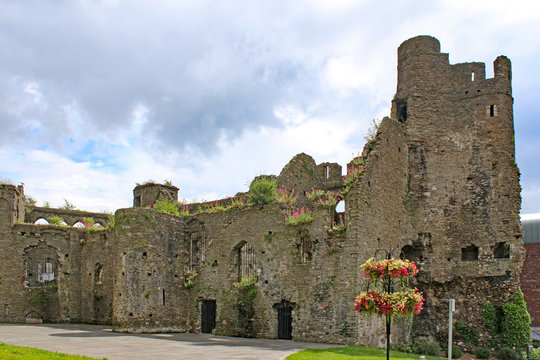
x=285 y=322
x=208 y=319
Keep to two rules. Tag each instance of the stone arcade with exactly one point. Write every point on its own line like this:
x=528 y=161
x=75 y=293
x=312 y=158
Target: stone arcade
x=440 y=185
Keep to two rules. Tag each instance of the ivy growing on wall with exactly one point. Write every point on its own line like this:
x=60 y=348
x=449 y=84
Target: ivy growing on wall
x=509 y=325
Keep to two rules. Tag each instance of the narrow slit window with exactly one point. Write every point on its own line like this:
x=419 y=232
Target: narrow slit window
x=492 y=110
x=472 y=76
x=306 y=248
x=327 y=172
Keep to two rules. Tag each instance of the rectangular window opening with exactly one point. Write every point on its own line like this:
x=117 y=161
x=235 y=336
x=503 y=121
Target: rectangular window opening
x=492 y=110
x=472 y=76
x=46 y=272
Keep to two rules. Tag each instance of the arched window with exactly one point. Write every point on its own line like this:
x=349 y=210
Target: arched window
x=41 y=265
x=41 y=221
x=98 y=273
x=246 y=261
x=79 y=225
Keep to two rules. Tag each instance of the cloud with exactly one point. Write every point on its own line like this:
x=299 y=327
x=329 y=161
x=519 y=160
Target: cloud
x=194 y=91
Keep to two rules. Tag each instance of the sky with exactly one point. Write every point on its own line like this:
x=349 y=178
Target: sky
x=96 y=96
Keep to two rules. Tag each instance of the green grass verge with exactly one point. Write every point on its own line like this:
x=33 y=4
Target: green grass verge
x=10 y=352
x=353 y=352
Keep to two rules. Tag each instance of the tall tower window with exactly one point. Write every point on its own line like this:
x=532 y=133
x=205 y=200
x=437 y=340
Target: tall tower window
x=492 y=110
x=246 y=261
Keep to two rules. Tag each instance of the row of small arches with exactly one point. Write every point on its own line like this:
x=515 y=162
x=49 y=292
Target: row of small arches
x=78 y=224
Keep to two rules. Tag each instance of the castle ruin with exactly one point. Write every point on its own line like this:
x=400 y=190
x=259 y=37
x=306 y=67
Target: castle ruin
x=439 y=186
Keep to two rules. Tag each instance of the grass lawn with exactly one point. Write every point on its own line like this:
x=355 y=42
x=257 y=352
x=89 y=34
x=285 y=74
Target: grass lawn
x=353 y=352
x=10 y=352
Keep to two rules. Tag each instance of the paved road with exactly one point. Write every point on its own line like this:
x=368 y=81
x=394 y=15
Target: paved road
x=100 y=342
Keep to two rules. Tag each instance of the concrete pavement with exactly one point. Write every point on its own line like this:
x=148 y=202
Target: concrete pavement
x=100 y=342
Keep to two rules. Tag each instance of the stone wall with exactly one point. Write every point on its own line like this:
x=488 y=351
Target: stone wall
x=71 y=217
x=439 y=186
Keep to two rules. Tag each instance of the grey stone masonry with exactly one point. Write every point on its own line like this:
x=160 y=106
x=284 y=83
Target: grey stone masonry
x=438 y=184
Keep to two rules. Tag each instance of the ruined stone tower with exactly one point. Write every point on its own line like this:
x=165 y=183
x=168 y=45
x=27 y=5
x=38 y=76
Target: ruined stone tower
x=462 y=195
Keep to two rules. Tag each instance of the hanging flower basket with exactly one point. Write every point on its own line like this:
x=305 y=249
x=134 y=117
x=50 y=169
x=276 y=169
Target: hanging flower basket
x=400 y=304
x=391 y=268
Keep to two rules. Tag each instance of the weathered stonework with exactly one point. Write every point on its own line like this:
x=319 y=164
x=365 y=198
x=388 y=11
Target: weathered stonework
x=440 y=186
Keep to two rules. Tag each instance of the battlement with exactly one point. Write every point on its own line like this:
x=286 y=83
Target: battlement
x=424 y=71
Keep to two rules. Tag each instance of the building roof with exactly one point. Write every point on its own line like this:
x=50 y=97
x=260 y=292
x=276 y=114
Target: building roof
x=531 y=228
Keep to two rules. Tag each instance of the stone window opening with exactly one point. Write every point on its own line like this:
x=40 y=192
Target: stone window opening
x=98 y=274
x=401 y=110
x=492 y=110
x=472 y=76
x=41 y=221
x=162 y=297
x=501 y=251
x=246 y=261
x=339 y=213
x=196 y=243
x=306 y=248
x=413 y=252
x=46 y=272
x=327 y=172
x=469 y=253
x=196 y=250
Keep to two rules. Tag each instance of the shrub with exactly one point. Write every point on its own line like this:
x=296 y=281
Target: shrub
x=468 y=333
x=247 y=282
x=482 y=352
x=189 y=278
x=215 y=207
x=427 y=348
x=508 y=326
x=262 y=191
x=284 y=196
x=56 y=220
x=534 y=354
x=456 y=352
x=406 y=348
x=166 y=206
x=112 y=222
x=67 y=206
x=506 y=353
x=299 y=216
x=516 y=330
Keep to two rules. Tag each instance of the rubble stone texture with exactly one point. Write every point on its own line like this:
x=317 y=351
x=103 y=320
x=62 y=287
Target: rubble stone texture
x=440 y=186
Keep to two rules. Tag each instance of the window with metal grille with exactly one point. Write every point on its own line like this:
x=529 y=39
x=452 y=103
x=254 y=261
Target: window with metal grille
x=246 y=257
